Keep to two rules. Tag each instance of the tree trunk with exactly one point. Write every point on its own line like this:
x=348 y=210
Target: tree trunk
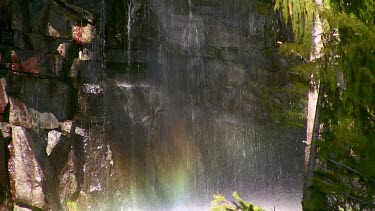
x=313 y=123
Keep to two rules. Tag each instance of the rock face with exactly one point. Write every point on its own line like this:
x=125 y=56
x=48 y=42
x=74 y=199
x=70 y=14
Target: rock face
x=3 y=97
x=17 y=208
x=95 y=100
x=26 y=174
x=28 y=117
x=45 y=96
x=19 y=114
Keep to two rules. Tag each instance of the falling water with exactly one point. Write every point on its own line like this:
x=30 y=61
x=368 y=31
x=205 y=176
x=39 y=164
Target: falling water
x=191 y=123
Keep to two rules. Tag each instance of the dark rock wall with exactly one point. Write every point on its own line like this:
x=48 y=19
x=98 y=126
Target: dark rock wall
x=144 y=104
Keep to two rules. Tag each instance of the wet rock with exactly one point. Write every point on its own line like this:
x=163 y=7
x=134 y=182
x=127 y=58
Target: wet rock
x=84 y=55
x=69 y=186
x=19 y=39
x=54 y=64
x=38 y=11
x=97 y=166
x=43 y=120
x=17 y=208
x=19 y=16
x=5 y=130
x=3 y=97
x=44 y=95
x=58 y=24
x=92 y=89
x=57 y=149
x=63 y=49
x=4 y=3
x=54 y=137
x=68 y=126
x=25 y=172
x=32 y=61
x=7 y=38
x=3 y=166
x=37 y=42
x=85 y=71
x=19 y=114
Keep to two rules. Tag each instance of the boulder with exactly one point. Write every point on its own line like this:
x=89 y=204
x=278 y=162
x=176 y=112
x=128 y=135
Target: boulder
x=19 y=114
x=43 y=120
x=25 y=172
x=17 y=208
x=5 y=130
x=83 y=34
x=69 y=178
x=57 y=149
x=3 y=97
x=22 y=116
x=68 y=126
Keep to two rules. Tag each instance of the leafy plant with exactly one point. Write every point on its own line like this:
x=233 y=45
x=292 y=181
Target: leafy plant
x=220 y=203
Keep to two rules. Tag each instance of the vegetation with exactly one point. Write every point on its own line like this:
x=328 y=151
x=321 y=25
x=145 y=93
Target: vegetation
x=220 y=203
x=344 y=177
x=72 y=206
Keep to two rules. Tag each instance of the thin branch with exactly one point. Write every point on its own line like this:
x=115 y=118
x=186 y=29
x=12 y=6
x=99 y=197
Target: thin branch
x=347 y=167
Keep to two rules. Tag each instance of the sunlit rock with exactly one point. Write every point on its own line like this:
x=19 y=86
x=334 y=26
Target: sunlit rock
x=43 y=120
x=83 y=34
x=22 y=116
x=84 y=55
x=70 y=178
x=5 y=130
x=19 y=114
x=57 y=149
x=25 y=172
x=68 y=126
x=92 y=88
x=18 y=208
x=55 y=138
x=3 y=97
x=63 y=49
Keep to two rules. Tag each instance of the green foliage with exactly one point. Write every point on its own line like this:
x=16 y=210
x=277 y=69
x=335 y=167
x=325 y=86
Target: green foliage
x=345 y=173
x=72 y=206
x=300 y=13
x=220 y=203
